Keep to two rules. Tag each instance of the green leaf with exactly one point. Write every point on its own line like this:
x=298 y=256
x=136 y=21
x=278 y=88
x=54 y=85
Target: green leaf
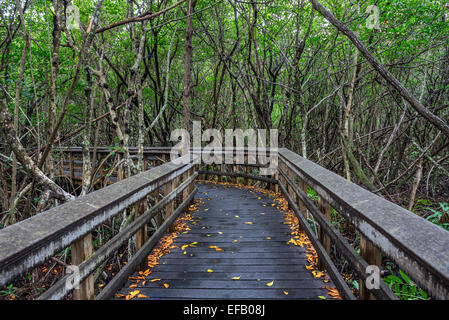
x=423 y=294
x=405 y=277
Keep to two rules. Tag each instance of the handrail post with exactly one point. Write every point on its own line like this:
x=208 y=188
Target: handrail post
x=281 y=177
x=158 y=217
x=220 y=178
x=292 y=192
x=120 y=174
x=322 y=236
x=71 y=167
x=372 y=256
x=169 y=208
x=276 y=186
x=185 y=192
x=246 y=170
x=302 y=206
x=192 y=185
x=142 y=234
x=235 y=170
x=81 y=250
x=61 y=164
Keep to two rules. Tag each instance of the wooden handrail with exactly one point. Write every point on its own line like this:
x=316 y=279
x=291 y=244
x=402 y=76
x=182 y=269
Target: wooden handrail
x=59 y=290
x=417 y=246
x=30 y=242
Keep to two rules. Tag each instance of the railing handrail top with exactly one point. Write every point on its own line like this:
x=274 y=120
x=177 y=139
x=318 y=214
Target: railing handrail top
x=421 y=238
x=18 y=239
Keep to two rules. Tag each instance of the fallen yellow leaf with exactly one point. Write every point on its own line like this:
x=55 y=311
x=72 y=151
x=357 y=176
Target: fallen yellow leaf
x=132 y=294
x=236 y=278
x=210 y=270
x=154 y=280
x=166 y=285
x=142 y=296
x=269 y=284
x=286 y=293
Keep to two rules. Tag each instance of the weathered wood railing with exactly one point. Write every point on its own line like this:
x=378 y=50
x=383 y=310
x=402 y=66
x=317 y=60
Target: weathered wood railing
x=418 y=247
x=69 y=162
x=31 y=242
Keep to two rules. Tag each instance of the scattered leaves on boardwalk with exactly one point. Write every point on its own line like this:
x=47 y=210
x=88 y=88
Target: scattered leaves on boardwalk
x=298 y=238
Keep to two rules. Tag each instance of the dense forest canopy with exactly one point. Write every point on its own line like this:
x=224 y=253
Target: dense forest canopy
x=126 y=73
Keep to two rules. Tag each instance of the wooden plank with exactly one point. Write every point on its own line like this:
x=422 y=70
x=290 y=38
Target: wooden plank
x=249 y=275
x=203 y=294
x=169 y=208
x=140 y=255
x=299 y=269
x=71 y=166
x=322 y=236
x=253 y=257
x=242 y=283
x=192 y=253
x=372 y=256
x=142 y=234
x=81 y=250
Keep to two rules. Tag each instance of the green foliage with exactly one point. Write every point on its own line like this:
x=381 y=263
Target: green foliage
x=8 y=291
x=438 y=217
x=403 y=286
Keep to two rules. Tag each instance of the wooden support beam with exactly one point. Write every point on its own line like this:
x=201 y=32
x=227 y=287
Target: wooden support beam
x=169 y=208
x=192 y=185
x=81 y=250
x=205 y=175
x=302 y=206
x=142 y=234
x=291 y=192
x=71 y=167
x=235 y=170
x=173 y=203
x=186 y=192
x=120 y=173
x=322 y=236
x=220 y=178
x=246 y=170
x=372 y=256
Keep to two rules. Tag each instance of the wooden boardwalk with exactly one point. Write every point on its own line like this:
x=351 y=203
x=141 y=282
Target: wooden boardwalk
x=221 y=221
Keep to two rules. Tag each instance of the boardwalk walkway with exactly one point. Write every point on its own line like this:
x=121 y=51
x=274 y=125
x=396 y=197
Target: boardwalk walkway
x=252 y=235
